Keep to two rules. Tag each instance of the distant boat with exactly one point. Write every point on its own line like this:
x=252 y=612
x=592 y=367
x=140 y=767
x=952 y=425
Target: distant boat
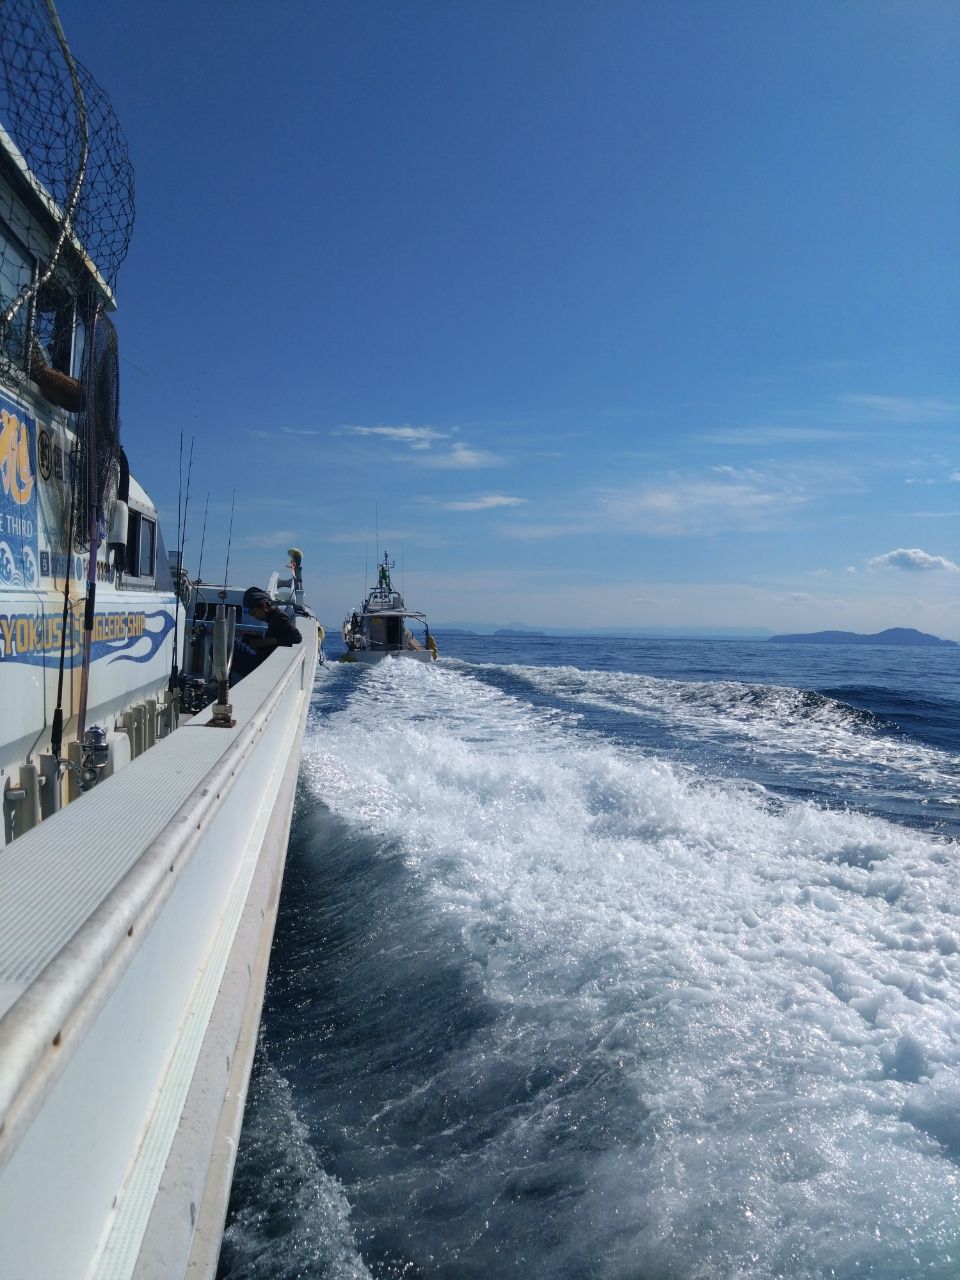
x=379 y=628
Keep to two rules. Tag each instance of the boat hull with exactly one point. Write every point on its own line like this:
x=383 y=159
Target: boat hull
x=134 y=993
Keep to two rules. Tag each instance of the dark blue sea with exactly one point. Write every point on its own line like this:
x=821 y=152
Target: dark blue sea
x=615 y=959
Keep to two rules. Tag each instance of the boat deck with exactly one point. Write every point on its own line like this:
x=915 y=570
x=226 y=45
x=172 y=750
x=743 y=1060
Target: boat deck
x=123 y=990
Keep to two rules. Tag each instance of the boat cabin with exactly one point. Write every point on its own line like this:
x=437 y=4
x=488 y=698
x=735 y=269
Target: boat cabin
x=86 y=637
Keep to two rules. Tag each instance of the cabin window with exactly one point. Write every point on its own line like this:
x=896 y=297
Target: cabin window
x=148 y=546
x=16 y=272
x=141 y=545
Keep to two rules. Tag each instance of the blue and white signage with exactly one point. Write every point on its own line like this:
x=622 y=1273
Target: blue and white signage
x=19 y=523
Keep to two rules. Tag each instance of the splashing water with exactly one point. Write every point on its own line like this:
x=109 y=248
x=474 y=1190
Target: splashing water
x=553 y=1006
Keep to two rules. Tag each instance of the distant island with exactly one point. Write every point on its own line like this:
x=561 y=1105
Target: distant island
x=629 y=633
x=893 y=635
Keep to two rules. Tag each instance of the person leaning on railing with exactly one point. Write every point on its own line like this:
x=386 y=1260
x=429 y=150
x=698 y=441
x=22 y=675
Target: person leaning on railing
x=253 y=646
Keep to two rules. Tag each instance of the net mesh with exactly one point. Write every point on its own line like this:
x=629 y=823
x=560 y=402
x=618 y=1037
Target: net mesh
x=98 y=435
x=61 y=139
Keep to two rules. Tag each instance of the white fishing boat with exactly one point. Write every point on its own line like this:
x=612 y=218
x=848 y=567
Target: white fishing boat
x=142 y=847
x=380 y=628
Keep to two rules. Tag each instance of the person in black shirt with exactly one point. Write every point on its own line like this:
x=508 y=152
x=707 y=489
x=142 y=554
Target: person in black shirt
x=280 y=634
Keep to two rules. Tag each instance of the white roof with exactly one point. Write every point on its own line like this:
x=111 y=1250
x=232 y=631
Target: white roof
x=140 y=500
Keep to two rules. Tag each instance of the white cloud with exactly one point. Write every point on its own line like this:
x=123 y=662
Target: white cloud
x=904 y=408
x=415 y=437
x=299 y=431
x=484 y=504
x=421 y=442
x=952 y=478
x=276 y=538
x=913 y=560
x=739 y=501
x=462 y=458
x=773 y=435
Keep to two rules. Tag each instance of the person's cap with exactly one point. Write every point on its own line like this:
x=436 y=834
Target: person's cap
x=254 y=598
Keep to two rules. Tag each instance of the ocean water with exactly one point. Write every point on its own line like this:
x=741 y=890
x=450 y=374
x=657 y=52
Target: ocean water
x=629 y=960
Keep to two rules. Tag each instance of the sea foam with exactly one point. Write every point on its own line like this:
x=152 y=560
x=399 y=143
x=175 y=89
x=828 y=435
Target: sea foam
x=725 y=1029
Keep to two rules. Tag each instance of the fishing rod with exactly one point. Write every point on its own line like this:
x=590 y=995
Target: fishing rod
x=56 y=728
x=224 y=629
x=179 y=641
x=90 y=604
x=226 y=571
x=174 y=674
x=183 y=543
x=186 y=508
x=182 y=505
x=203 y=539
x=203 y=535
x=31 y=290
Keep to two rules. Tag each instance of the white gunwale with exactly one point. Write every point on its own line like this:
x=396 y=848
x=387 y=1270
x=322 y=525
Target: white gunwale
x=66 y=988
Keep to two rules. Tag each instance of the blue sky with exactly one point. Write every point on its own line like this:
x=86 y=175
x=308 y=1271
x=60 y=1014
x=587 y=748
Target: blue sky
x=611 y=313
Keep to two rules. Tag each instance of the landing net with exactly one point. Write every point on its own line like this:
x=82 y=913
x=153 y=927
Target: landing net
x=61 y=142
